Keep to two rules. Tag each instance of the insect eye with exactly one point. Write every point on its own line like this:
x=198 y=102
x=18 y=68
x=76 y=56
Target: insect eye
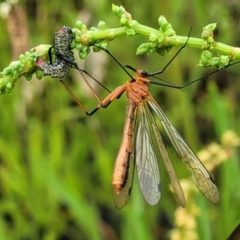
x=69 y=30
x=144 y=73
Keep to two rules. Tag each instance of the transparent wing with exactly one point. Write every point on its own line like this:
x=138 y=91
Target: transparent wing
x=200 y=175
x=146 y=161
x=168 y=164
x=121 y=198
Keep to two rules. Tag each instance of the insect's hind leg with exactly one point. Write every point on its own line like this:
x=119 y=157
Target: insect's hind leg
x=103 y=104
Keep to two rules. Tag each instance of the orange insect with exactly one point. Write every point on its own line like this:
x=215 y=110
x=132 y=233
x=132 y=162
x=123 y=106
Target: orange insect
x=137 y=147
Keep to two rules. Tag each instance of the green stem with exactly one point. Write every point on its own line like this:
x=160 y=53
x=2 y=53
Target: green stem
x=108 y=34
x=160 y=41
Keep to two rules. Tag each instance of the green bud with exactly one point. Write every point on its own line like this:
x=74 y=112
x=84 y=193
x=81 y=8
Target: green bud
x=147 y=48
x=102 y=25
x=21 y=57
x=39 y=73
x=78 y=25
x=3 y=81
x=85 y=49
x=15 y=75
x=20 y=68
x=84 y=52
x=95 y=48
x=206 y=58
x=115 y=8
x=118 y=11
x=130 y=32
x=218 y=62
x=151 y=51
x=214 y=62
x=143 y=48
x=170 y=32
x=93 y=29
x=211 y=27
x=161 y=51
x=152 y=37
x=28 y=76
x=100 y=45
x=27 y=54
x=210 y=40
x=9 y=87
x=205 y=45
x=168 y=49
x=165 y=27
x=7 y=70
x=162 y=21
x=104 y=44
x=77 y=38
x=123 y=21
x=32 y=58
x=223 y=61
x=207 y=34
x=14 y=64
x=78 y=46
x=24 y=61
x=73 y=44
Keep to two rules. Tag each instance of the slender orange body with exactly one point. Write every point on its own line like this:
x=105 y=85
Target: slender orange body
x=121 y=164
x=136 y=91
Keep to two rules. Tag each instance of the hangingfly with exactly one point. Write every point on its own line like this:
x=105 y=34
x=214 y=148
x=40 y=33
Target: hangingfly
x=137 y=148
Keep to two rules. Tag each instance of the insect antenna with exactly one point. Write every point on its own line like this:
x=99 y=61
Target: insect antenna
x=115 y=59
x=146 y=74
x=81 y=71
x=176 y=54
x=187 y=84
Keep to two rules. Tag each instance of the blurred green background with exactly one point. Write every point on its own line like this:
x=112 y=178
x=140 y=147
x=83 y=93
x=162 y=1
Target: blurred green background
x=56 y=163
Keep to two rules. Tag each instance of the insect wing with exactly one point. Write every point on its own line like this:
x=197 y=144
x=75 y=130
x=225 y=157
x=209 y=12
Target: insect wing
x=200 y=175
x=146 y=161
x=168 y=164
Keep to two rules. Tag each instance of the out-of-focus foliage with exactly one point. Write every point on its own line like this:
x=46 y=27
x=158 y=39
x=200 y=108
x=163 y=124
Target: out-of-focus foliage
x=56 y=163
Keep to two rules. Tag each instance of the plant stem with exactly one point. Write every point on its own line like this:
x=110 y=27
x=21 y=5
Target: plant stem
x=160 y=41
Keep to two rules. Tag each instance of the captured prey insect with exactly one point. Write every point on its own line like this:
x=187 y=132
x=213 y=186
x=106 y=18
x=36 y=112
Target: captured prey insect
x=63 y=61
x=60 y=68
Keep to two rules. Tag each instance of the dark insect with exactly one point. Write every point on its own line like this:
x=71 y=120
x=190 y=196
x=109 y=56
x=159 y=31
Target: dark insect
x=63 y=61
x=62 y=41
x=63 y=55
